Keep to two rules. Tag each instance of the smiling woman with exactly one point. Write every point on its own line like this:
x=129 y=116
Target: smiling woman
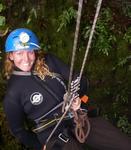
x=20 y=46
x=23 y=59
x=36 y=86
x=35 y=92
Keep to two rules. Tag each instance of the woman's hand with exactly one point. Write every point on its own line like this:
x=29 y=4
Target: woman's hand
x=76 y=103
x=44 y=147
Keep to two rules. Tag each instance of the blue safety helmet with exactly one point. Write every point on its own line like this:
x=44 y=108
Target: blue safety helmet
x=21 y=39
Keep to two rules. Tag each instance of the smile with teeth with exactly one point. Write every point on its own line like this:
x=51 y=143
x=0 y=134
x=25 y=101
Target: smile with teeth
x=27 y=64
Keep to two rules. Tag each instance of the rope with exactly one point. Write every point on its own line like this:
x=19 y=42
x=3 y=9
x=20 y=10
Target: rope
x=82 y=128
x=62 y=117
x=82 y=136
x=91 y=35
x=82 y=121
x=74 y=50
x=71 y=70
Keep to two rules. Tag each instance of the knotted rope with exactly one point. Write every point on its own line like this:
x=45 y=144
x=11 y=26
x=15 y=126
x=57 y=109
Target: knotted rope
x=81 y=119
x=74 y=51
x=82 y=128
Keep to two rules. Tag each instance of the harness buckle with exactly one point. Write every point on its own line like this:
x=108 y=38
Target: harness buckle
x=63 y=138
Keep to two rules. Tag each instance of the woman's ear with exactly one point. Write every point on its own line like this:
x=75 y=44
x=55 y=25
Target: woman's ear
x=11 y=57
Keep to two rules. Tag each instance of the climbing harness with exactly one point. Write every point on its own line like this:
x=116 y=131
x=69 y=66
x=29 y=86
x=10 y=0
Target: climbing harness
x=80 y=117
x=46 y=123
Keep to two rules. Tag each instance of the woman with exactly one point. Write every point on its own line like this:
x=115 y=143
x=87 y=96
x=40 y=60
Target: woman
x=36 y=86
x=36 y=89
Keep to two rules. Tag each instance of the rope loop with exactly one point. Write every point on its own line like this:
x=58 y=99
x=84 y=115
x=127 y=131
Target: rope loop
x=82 y=127
x=81 y=120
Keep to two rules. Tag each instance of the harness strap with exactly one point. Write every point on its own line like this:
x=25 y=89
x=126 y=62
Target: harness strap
x=58 y=142
x=49 y=112
x=45 y=86
x=46 y=123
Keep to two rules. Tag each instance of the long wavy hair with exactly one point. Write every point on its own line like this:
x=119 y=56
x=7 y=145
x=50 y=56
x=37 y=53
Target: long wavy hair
x=40 y=68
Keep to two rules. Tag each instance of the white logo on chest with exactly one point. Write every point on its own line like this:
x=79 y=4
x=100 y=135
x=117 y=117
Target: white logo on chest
x=36 y=98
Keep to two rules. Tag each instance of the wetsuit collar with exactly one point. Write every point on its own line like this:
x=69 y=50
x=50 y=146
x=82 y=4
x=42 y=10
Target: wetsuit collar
x=22 y=73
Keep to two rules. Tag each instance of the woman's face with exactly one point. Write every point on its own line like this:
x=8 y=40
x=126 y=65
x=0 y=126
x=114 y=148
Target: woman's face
x=23 y=59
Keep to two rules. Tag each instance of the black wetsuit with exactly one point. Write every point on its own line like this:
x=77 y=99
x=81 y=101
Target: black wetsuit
x=27 y=99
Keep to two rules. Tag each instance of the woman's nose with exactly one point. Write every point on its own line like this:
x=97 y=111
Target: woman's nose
x=26 y=57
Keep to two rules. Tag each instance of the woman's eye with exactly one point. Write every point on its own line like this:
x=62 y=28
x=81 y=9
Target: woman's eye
x=31 y=52
x=18 y=53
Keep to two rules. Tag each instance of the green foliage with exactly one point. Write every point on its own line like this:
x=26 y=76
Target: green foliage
x=126 y=7
x=119 y=105
x=2 y=18
x=109 y=88
x=122 y=62
x=124 y=125
x=103 y=36
x=124 y=55
x=66 y=17
x=3 y=28
x=32 y=15
x=1 y=7
x=127 y=36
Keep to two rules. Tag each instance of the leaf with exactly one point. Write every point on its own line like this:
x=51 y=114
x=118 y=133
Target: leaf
x=1 y=7
x=2 y=20
x=66 y=18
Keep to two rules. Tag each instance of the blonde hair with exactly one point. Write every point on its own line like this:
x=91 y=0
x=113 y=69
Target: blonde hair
x=40 y=67
x=8 y=66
